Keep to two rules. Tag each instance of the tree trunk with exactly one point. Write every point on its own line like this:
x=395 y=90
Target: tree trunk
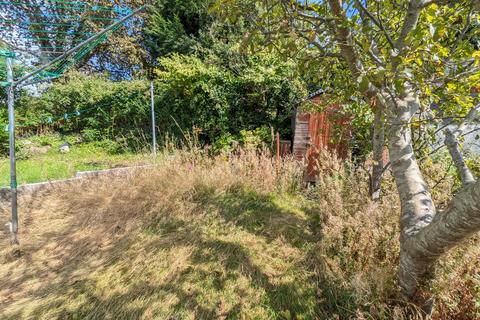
x=378 y=142
x=425 y=236
x=417 y=207
x=451 y=142
x=448 y=228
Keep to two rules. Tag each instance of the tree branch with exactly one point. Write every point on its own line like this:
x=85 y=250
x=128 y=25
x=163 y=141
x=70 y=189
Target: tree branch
x=453 y=147
x=451 y=141
x=345 y=40
x=376 y=22
x=410 y=21
x=448 y=228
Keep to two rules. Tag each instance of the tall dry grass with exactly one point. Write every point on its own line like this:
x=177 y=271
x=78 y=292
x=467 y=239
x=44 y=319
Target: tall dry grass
x=359 y=247
x=225 y=237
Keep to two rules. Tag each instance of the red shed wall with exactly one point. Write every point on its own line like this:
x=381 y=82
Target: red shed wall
x=314 y=131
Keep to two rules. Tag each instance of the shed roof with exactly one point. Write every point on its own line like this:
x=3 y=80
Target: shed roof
x=316 y=93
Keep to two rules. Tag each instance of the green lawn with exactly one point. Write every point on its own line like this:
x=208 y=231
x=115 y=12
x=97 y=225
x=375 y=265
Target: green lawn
x=54 y=165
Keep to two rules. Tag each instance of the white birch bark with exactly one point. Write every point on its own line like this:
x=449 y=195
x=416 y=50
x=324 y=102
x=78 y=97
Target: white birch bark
x=448 y=228
x=451 y=141
x=417 y=207
x=378 y=142
x=424 y=236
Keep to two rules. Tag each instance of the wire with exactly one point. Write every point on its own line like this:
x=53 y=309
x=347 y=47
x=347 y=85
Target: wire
x=51 y=120
x=65 y=2
x=51 y=31
x=75 y=49
x=66 y=16
x=54 y=39
x=76 y=24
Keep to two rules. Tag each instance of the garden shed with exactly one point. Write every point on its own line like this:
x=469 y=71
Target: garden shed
x=328 y=129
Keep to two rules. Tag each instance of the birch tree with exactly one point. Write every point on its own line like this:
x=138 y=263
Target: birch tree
x=452 y=143
x=406 y=56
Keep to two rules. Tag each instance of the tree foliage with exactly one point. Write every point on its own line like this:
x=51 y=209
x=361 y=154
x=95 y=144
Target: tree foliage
x=416 y=61
x=223 y=105
x=174 y=26
x=93 y=106
x=222 y=102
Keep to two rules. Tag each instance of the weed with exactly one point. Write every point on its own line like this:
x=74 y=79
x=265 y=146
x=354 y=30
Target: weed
x=228 y=237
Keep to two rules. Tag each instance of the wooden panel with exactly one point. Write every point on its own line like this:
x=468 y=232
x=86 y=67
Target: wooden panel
x=314 y=131
x=301 y=136
x=285 y=147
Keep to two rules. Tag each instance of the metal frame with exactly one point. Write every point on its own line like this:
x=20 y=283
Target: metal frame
x=11 y=144
x=78 y=46
x=154 y=133
x=11 y=84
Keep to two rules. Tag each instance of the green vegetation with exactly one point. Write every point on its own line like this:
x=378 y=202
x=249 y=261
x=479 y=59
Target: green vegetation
x=203 y=238
x=226 y=230
x=41 y=160
x=176 y=26
x=214 y=100
x=220 y=102
x=96 y=108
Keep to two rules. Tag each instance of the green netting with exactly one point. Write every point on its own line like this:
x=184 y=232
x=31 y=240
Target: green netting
x=57 y=69
x=40 y=23
x=55 y=39
x=7 y=53
x=83 y=7
x=48 y=29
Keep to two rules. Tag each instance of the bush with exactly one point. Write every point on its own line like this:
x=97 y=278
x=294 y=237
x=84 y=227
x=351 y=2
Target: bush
x=222 y=101
x=91 y=105
x=3 y=130
x=110 y=146
x=254 y=139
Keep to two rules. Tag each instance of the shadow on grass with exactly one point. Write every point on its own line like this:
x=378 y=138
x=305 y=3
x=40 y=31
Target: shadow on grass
x=217 y=279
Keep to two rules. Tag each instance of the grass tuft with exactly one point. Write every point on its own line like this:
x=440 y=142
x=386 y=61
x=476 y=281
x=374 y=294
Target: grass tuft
x=218 y=238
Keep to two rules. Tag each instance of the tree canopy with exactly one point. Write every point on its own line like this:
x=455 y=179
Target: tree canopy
x=414 y=62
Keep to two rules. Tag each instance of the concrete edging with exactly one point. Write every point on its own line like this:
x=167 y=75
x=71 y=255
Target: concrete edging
x=38 y=186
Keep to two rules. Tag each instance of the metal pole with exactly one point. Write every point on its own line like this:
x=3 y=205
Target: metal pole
x=11 y=141
x=154 y=134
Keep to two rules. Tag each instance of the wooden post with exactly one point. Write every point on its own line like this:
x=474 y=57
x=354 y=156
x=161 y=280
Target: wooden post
x=273 y=137
x=278 y=151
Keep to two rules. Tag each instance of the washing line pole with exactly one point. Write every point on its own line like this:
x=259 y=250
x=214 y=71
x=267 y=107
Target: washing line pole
x=79 y=46
x=154 y=133
x=11 y=85
x=11 y=143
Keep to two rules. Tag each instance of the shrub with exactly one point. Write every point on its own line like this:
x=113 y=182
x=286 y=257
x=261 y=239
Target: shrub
x=91 y=105
x=112 y=147
x=254 y=139
x=222 y=101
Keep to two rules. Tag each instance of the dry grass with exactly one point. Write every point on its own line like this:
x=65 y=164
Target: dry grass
x=222 y=238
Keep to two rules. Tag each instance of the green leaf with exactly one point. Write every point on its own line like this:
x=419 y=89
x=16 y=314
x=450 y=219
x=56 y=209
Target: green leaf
x=363 y=83
x=399 y=85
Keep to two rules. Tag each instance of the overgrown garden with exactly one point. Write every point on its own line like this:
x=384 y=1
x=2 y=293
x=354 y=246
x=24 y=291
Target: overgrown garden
x=390 y=231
